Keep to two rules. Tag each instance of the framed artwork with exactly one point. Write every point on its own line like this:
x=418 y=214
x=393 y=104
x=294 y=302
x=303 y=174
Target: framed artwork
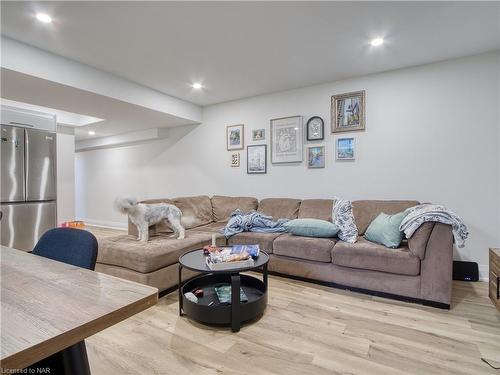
x=346 y=148
x=234 y=137
x=256 y=159
x=235 y=159
x=316 y=157
x=348 y=112
x=287 y=140
x=315 y=129
x=258 y=134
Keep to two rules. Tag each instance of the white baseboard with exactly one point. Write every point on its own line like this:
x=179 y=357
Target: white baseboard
x=484 y=272
x=105 y=224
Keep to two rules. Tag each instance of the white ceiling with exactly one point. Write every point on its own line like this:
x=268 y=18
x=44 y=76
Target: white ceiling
x=241 y=49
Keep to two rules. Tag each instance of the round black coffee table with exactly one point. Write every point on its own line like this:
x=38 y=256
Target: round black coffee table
x=208 y=309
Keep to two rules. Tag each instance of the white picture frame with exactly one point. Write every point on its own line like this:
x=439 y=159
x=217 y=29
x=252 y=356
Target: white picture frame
x=287 y=140
x=345 y=148
x=235 y=137
x=258 y=135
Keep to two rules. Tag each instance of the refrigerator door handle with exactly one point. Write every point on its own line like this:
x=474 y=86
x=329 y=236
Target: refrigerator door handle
x=26 y=164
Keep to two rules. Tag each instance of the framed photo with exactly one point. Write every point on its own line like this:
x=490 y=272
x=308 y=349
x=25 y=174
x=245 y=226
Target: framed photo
x=287 y=140
x=315 y=129
x=256 y=159
x=346 y=148
x=316 y=157
x=348 y=112
x=235 y=159
x=234 y=137
x=258 y=134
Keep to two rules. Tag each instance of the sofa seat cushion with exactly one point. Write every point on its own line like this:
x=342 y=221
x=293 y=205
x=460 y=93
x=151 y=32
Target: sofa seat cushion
x=264 y=240
x=309 y=248
x=370 y=256
x=280 y=208
x=160 y=251
x=223 y=206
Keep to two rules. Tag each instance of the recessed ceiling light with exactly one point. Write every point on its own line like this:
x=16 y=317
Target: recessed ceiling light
x=197 y=86
x=91 y=132
x=43 y=17
x=377 y=42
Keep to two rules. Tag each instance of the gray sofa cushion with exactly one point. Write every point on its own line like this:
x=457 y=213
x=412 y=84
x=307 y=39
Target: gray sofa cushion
x=309 y=248
x=280 y=207
x=223 y=206
x=316 y=209
x=158 y=252
x=196 y=211
x=370 y=256
x=264 y=240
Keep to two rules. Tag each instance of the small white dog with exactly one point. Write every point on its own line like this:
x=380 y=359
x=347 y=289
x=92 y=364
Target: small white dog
x=144 y=215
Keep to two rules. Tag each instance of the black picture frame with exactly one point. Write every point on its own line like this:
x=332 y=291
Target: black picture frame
x=309 y=131
x=265 y=160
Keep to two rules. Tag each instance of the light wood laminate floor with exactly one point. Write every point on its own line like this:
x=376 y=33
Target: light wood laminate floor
x=309 y=329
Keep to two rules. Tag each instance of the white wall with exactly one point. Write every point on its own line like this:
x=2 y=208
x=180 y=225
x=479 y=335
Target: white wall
x=65 y=177
x=432 y=134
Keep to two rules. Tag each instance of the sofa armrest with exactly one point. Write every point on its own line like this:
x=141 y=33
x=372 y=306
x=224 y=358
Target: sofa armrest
x=436 y=269
x=417 y=243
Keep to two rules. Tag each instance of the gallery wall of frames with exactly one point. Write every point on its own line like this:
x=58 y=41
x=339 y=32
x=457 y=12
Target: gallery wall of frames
x=295 y=140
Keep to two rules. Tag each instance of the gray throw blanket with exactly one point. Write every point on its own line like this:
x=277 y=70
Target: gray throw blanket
x=422 y=213
x=252 y=221
x=343 y=218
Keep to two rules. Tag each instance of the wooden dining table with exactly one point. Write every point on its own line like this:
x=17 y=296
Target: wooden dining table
x=49 y=308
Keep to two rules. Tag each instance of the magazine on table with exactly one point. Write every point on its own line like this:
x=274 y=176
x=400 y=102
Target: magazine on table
x=252 y=250
x=223 y=292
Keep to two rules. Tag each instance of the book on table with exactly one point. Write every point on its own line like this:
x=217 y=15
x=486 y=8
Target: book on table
x=217 y=266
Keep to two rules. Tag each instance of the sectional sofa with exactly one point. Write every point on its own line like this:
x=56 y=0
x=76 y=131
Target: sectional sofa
x=420 y=270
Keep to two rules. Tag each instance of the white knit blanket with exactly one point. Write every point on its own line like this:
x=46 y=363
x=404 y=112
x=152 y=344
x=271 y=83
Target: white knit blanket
x=422 y=213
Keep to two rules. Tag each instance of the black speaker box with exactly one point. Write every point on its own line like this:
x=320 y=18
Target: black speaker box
x=465 y=271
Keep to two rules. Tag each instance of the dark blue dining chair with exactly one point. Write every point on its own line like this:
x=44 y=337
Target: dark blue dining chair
x=78 y=248
x=68 y=245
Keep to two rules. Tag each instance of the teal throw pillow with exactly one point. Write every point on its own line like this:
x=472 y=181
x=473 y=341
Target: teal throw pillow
x=384 y=230
x=311 y=228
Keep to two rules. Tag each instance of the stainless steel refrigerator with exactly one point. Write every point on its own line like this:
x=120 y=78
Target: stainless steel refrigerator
x=28 y=185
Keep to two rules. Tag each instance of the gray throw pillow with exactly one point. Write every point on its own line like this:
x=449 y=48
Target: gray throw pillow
x=311 y=228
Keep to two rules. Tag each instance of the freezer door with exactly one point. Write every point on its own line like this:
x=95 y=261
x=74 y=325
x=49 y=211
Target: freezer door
x=40 y=165
x=12 y=164
x=22 y=224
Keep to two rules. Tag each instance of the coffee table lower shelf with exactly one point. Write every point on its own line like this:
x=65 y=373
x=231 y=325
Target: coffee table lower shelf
x=208 y=309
